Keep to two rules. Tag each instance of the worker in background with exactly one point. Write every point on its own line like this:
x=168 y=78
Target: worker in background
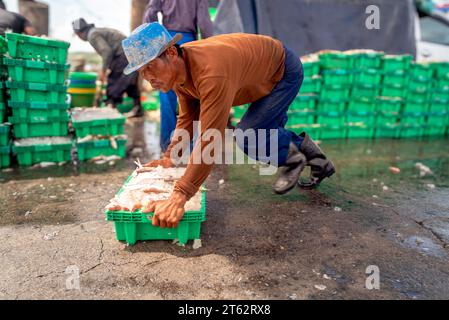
x=211 y=76
x=107 y=43
x=186 y=17
x=14 y=22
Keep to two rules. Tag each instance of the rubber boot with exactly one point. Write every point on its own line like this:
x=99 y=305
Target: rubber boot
x=289 y=174
x=321 y=167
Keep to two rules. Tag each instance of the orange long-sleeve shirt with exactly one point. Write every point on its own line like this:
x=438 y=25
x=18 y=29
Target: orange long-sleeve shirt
x=223 y=71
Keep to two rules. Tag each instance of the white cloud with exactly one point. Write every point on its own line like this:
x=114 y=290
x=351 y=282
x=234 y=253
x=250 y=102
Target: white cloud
x=103 y=13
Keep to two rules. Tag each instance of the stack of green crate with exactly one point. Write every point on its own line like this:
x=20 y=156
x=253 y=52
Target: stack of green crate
x=99 y=132
x=37 y=74
x=302 y=112
x=5 y=148
x=438 y=113
x=362 y=107
x=337 y=71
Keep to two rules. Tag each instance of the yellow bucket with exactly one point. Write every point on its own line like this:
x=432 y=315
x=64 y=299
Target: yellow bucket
x=82 y=91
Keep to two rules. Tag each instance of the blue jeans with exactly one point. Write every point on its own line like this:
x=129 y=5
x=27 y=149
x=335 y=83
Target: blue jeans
x=169 y=102
x=270 y=112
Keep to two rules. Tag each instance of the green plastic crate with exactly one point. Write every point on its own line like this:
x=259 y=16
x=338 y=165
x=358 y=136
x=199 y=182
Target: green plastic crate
x=419 y=84
x=396 y=91
x=369 y=60
x=333 y=132
x=387 y=131
x=361 y=118
x=396 y=62
x=387 y=118
x=2 y=111
x=101 y=127
x=441 y=93
x=300 y=117
x=30 y=155
x=331 y=105
x=36 y=71
x=338 y=76
x=387 y=104
x=438 y=119
x=335 y=119
x=92 y=149
x=26 y=110
x=133 y=232
x=360 y=132
x=411 y=131
x=365 y=90
x=421 y=70
x=441 y=83
x=140 y=217
x=39 y=127
x=189 y=227
x=37 y=92
x=362 y=104
x=368 y=76
x=311 y=68
x=439 y=106
x=5 y=157
x=304 y=102
x=4 y=134
x=435 y=131
x=416 y=106
x=441 y=69
x=418 y=94
x=337 y=60
x=34 y=48
x=335 y=91
x=311 y=85
x=397 y=77
x=413 y=119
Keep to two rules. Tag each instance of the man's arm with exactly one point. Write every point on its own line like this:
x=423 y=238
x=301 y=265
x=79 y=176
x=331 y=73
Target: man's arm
x=216 y=98
x=103 y=48
x=203 y=17
x=153 y=7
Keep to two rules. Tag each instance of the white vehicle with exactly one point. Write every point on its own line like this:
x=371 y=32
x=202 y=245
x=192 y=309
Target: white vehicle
x=432 y=39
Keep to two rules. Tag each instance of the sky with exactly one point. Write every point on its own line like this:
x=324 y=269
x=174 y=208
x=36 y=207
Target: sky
x=103 y=13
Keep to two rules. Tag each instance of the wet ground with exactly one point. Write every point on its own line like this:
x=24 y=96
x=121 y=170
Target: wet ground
x=255 y=245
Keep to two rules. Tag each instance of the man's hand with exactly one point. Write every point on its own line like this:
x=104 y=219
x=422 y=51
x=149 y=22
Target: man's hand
x=164 y=163
x=167 y=213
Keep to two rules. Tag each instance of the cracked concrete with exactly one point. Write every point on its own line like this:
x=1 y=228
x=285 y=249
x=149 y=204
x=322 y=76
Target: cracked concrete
x=255 y=245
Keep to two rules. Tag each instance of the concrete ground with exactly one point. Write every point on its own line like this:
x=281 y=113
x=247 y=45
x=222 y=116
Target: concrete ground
x=255 y=245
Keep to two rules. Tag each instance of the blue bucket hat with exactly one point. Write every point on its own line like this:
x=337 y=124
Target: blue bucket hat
x=145 y=44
